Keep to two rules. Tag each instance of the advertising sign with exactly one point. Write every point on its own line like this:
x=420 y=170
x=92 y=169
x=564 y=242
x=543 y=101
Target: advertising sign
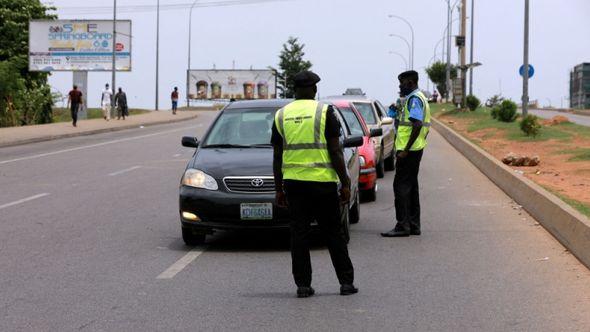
x=227 y=84
x=78 y=45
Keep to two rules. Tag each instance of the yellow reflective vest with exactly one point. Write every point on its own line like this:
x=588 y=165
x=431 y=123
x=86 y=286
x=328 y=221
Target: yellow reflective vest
x=405 y=125
x=302 y=124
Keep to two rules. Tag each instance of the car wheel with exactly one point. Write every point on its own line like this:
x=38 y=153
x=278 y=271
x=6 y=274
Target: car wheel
x=346 y=225
x=371 y=194
x=390 y=161
x=355 y=212
x=191 y=238
x=381 y=166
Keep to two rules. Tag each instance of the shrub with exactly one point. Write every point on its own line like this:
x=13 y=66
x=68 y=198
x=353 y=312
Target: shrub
x=505 y=112
x=472 y=102
x=530 y=125
x=494 y=101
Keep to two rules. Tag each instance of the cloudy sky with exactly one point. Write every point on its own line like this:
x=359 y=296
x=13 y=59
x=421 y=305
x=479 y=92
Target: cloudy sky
x=346 y=40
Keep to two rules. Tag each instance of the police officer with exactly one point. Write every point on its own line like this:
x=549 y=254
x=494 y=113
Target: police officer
x=410 y=143
x=308 y=163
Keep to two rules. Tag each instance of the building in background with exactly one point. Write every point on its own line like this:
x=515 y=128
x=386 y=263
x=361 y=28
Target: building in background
x=580 y=86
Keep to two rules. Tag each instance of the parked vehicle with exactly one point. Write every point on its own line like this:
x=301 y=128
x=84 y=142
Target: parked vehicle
x=228 y=183
x=367 y=157
x=375 y=116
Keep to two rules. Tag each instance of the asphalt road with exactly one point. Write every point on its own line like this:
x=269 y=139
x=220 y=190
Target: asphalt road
x=90 y=241
x=583 y=120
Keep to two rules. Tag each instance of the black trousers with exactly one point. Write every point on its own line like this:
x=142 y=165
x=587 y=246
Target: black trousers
x=405 y=189
x=318 y=201
x=74 y=112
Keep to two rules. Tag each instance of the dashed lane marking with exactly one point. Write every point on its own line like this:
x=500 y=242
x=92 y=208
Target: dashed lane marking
x=180 y=264
x=23 y=200
x=124 y=170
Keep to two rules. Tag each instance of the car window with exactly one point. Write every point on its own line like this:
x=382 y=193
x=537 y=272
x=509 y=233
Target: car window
x=380 y=109
x=343 y=125
x=242 y=127
x=367 y=112
x=356 y=128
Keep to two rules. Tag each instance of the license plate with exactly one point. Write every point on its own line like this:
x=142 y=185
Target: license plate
x=256 y=211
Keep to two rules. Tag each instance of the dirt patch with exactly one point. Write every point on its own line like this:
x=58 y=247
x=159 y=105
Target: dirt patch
x=570 y=178
x=558 y=119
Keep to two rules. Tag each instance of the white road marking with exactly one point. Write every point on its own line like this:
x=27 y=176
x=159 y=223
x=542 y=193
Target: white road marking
x=124 y=170
x=181 y=263
x=23 y=200
x=177 y=155
x=92 y=145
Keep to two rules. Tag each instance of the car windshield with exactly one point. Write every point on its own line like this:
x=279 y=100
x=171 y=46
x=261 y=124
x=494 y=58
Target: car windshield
x=241 y=128
x=366 y=111
x=356 y=128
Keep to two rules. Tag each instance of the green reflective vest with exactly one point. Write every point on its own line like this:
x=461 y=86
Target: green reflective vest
x=405 y=125
x=302 y=124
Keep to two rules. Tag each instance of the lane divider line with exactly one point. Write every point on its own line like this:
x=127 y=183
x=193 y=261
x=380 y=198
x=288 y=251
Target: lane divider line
x=124 y=170
x=180 y=264
x=23 y=200
x=93 y=145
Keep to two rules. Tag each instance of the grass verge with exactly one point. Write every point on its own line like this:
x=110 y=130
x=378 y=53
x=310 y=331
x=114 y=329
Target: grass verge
x=63 y=114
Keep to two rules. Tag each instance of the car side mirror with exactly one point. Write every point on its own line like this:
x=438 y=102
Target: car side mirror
x=353 y=141
x=376 y=132
x=190 y=142
x=386 y=120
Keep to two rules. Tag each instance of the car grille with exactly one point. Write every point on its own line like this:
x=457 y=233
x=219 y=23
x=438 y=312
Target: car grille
x=250 y=184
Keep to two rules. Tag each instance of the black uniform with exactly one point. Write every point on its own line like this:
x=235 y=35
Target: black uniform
x=319 y=201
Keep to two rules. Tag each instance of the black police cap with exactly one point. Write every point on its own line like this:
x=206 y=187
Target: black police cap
x=305 y=78
x=411 y=74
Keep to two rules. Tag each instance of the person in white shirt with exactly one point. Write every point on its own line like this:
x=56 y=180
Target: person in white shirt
x=105 y=102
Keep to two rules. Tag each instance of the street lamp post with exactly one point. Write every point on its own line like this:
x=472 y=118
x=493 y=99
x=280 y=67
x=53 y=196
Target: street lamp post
x=448 y=71
x=114 y=69
x=412 y=31
x=157 y=50
x=401 y=56
x=190 y=15
x=471 y=50
x=407 y=43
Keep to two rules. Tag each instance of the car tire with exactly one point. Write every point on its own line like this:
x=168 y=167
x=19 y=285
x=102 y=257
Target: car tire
x=346 y=225
x=381 y=166
x=355 y=211
x=390 y=161
x=192 y=238
x=371 y=194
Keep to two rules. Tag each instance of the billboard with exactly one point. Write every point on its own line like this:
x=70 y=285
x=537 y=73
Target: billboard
x=78 y=45
x=229 y=83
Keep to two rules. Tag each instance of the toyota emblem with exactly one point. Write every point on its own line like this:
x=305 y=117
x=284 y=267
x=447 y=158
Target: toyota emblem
x=257 y=183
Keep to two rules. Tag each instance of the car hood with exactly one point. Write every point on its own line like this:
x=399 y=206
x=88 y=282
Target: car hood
x=220 y=163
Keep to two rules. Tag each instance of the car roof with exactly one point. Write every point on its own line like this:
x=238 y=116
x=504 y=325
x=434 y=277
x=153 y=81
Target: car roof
x=351 y=98
x=261 y=103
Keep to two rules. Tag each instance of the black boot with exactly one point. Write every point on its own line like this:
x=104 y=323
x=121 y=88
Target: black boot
x=305 y=291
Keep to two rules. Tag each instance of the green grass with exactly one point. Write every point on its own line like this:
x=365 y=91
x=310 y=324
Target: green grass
x=63 y=114
x=583 y=208
x=578 y=154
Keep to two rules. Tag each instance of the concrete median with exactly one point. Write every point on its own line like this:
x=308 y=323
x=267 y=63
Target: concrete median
x=567 y=225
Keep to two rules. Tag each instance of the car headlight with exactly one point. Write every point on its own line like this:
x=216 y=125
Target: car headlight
x=362 y=161
x=199 y=179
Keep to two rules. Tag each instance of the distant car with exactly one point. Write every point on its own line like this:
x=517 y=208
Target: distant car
x=367 y=157
x=375 y=116
x=229 y=184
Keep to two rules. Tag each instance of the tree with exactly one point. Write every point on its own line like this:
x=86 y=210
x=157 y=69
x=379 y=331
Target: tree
x=291 y=62
x=437 y=73
x=29 y=101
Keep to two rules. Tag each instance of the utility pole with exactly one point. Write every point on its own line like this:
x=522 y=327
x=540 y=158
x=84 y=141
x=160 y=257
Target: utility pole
x=463 y=53
x=471 y=50
x=448 y=73
x=188 y=67
x=114 y=69
x=525 y=76
x=157 y=49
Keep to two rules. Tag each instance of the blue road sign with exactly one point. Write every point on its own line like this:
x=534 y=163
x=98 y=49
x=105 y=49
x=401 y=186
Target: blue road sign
x=531 y=70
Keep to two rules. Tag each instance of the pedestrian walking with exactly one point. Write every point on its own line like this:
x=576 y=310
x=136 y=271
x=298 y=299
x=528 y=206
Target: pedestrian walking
x=105 y=102
x=308 y=162
x=410 y=142
x=74 y=103
x=435 y=97
x=121 y=104
x=174 y=97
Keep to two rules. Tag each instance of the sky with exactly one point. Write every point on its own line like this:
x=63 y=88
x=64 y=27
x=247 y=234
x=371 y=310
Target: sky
x=348 y=43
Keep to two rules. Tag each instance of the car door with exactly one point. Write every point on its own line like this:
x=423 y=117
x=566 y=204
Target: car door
x=388 y=129
x=351 y=157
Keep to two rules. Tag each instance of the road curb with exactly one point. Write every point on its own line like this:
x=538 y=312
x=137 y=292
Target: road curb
x=567 y=225
x=93 y=132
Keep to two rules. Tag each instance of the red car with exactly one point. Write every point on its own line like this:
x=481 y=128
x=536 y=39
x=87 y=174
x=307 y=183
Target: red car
x=367 y=158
